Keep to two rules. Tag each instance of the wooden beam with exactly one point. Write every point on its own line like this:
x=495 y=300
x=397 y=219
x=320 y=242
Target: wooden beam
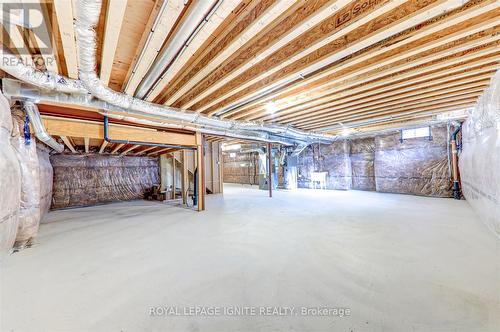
x=138 y=153
x=411 y=67
x=399 y=46
x=43 y=34
x=173 y=175
x=95 y=130
x=161 y=151
x=118 y=147
x=387 y=21
x=344 y=70
x=464 y=62
x=436 y=94
x=438 y=107
x=133 y=147
x=115 y=13
x=64 y=13
x=154 y=43
x=270 y=169
x=103 y=146
x=459 y=75
x=199 y=40
x=255 y=30
x=195 y=97
x=68 y=143
x=221 y=169
x=86 y=141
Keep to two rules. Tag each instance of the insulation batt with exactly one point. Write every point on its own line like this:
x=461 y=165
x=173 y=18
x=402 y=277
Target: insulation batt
x=417 y=166
x=363 y=163
x=81 y=180
x=479 y=160
x=46 y=178
x=29 y=212
x=10 y=181
x=332 y=158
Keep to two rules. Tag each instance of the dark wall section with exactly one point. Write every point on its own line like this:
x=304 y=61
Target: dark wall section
x=363 y=163
x=81 y=180
x=417 y=166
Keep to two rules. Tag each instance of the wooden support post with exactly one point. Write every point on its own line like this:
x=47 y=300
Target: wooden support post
x=201 y=170
x=86 y=141
x=173 y=175
x=214 y=166
x=270 y=169
x=221 y=168
x=185 y=177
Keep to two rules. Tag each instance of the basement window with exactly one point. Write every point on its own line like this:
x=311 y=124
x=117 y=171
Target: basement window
x=416 y=133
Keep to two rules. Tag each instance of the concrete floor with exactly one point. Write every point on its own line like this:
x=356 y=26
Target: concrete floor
x=399 y=263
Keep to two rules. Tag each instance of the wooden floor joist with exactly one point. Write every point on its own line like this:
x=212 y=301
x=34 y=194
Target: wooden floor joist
x=306 y=64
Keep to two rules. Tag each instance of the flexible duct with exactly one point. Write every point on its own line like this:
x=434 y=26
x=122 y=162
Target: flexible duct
x=47 y=80
x=87 y=16
x=197 y=15
x=19 y=91
x=32 y=111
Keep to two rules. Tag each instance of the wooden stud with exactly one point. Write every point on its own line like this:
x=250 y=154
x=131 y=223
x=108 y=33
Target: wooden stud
x=115 y=14
x=138 y=153
x=64 y=13
x=68 y=143
x=86 y=141
x=133 y=147
x=118 y=147
x=150 y=50
x=185 y=177
x=103 y=146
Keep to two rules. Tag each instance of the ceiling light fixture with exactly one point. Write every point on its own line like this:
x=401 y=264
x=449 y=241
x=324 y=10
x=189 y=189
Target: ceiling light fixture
x=271 y=107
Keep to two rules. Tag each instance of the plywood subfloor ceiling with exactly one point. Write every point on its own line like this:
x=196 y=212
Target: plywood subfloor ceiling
x=317 y=65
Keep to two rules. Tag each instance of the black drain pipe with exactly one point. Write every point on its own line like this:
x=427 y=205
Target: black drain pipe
x=454 y=153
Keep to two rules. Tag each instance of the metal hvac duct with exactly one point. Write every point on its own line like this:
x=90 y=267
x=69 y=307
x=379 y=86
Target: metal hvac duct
x=87 y=16
x=21 y=91
x=40 y=132
x=198 y=14
x=47 y=80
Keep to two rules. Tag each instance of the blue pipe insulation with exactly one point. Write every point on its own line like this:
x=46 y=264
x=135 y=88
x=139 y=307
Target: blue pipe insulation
x=109 y=140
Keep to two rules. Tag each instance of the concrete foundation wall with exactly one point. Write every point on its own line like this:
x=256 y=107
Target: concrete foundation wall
x=81 y=180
